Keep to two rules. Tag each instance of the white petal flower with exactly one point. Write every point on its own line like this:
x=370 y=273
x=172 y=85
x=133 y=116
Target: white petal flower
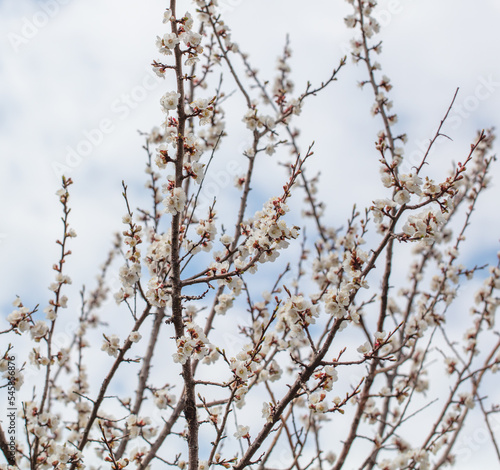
x=167 y=15
x=170 y=40
x=135 y=336
x=175 y=202
x=402 y=197
x=364 y=348
x=242 y=431
x=170 y=100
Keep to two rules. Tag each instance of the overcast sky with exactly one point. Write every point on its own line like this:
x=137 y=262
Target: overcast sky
x=75 y=74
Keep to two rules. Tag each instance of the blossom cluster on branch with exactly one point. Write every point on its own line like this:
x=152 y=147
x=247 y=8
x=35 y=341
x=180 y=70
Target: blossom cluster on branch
x=337 y=354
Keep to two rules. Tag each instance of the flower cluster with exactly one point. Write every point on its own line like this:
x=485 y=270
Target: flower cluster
x=140 y=426
x=204 y=109
x=336 y=301
x=253 y=121
x=20 y=318
x=175 y=199
x=170 y=101
x=240 y=392
x=327 y=377
x=224 y=302
x=272 y=371
x=111 y=345
x=267 y=233
x=158 y=293
x=404 y=457
x=317 y=402
x=37 y=359
x=243 y=369
x=194 y=344
x=243 y=432
x=130 y=273
x=383 y=345
x=425 y=226
x=268 y=410
x=45 y=426
x=163 y=399
x=206 y=230
x=184 y=34
x=15 y=377
x=159 y=251
x=295 y=316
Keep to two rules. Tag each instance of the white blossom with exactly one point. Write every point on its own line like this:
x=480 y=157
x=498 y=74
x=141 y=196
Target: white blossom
x=242 y=431
x=170 y=101
x=175 y=201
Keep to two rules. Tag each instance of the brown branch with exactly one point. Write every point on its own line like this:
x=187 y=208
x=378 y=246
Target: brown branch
x=143 y=375
x=107 y=380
